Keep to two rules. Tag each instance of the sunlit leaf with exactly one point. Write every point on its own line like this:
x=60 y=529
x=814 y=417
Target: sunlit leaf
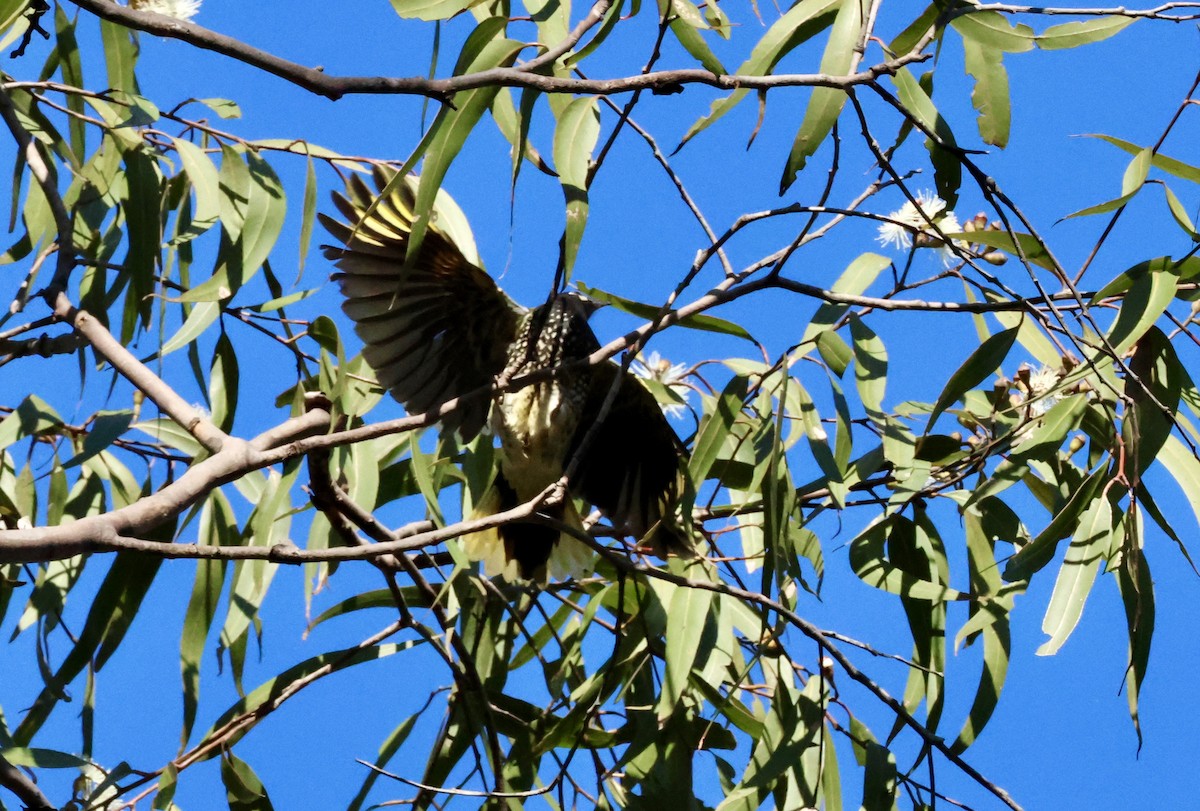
x=994 y=30
x=800 y=23
x=574 y=139
x=1131 y=183
x=430 y=9
x=990 y=95
x=1082 y=32
x=974 y=370
x=825 y=104
x=1077 y=575
x=706 y=323
x=869 y=562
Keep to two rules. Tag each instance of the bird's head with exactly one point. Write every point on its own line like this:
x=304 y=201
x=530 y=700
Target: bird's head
x=579 y=304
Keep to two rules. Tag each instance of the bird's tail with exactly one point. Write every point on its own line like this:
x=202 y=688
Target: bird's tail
x=526 y=551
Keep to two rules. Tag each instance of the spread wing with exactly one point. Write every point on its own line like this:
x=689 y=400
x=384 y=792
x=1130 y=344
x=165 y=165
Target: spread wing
x=632 y=466
x=434 y=329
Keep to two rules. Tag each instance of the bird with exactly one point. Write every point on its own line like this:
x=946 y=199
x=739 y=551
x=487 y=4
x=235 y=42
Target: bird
x=435 y=327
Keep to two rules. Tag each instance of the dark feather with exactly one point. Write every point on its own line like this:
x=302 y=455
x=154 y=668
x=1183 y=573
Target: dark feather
x=631 y=468
x=435 y=328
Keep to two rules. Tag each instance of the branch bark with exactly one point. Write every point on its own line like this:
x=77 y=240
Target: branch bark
x=27 y=791
x=320 y=83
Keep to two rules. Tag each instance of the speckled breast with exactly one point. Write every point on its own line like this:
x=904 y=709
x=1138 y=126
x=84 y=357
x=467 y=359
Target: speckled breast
x=537 y=424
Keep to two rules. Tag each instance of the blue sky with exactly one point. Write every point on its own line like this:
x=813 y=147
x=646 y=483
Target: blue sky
x=1061 y=737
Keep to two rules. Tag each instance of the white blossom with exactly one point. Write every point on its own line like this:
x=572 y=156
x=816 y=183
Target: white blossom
x=178 y=9
x=1041 y=382
x=1034 y=392
x=912 y=219
x=671 y=375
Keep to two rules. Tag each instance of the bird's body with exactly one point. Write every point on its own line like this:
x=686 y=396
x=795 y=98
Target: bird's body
x=535 y=423
x=436 y=327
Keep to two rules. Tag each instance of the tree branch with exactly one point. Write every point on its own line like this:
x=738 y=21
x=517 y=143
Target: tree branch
x=27 y=791
x=335 y=87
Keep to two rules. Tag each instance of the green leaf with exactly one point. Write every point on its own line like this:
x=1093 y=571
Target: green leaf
x=1153 y=288
x=202 y=316
x=144 y=235
x=202 y=174
x=263 y=215
x=992 y=29
x=252 y=212
x=994 y=629
x=689 y=612
x=836 y=353
x=34 y=758
x=224 y=108
x=120 y=55
x=916 y=100
x=284 y=301
x=879 y=778
x=825 y=104
x=308 y=215
x=223 y=383
x=217 y=527
x=71 y=66
x=908 y=39
x=685 y=20
x=105 y=428
x=378 y=598
x=32 y=417
x=425 y=472
x=243 y=790
x=715 y=428
x=870 y=368
x=869 y=562
x=165 y=430
x=800 y=23
x=1180 y=214
x=1052 y=428
x=1131 y=183
x=299 y=146
x=1186 y=268
x=1152 y=390
x=14 y=20
x=1082 y=32
x=1077 y=574
x=514 y=125
x=1184 y=468
x=1167 y=164
x=165 y=791
x=705 y=323
x=485 y=48
x=386 y=752
x=990 y=96
x=599 y=35
x=855 y=279
x=1038 y=552
x=430 y=9
x=268 y=524
x=976 y=369
x=575 y=137
x=1020 y=245
x=1137 y=593
x=799 y=400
